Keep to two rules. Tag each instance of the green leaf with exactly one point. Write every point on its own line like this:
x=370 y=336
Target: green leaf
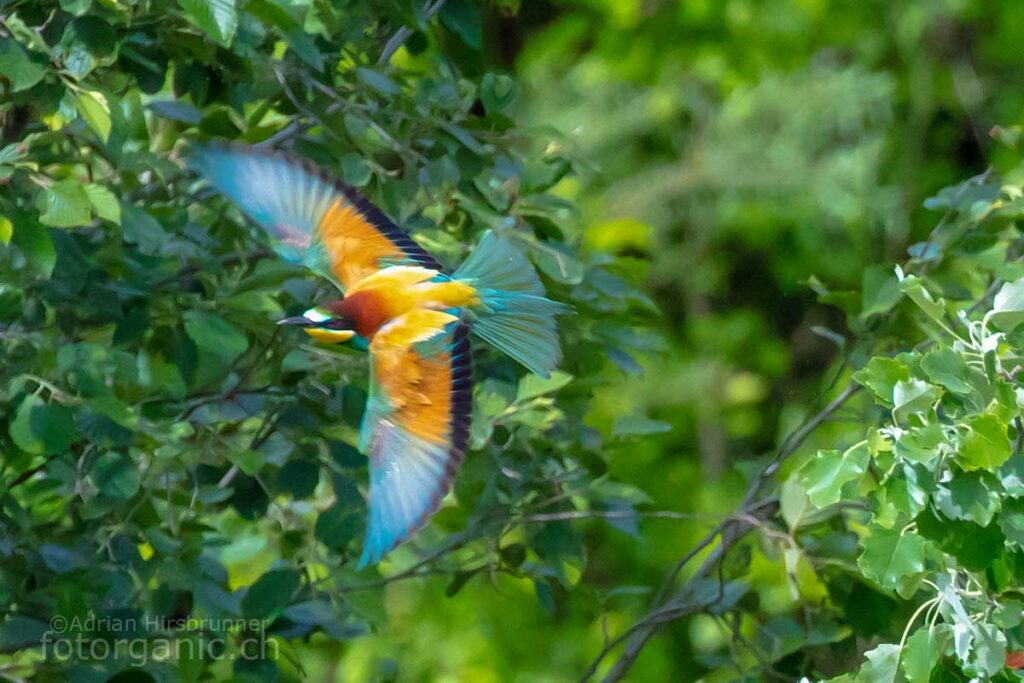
x=497 y=92
x=218 y=18
x=921 y=444
x=880 y=376
x=298 y=478
x=88 y=42
x=988 y=651
x=947 y=368
x=18 y=67
x=302 y=44
x=532 y=386
x=140 y=228
x=889 y=556
x=213 y=334
x=463 y=136
x=40 y=427
x=464 y=18
x=61 y=559
x=20 y=428
x=337 y=526
x=377 y=81
x=793 y=502
x=920 y=655
x=34 y=241
x=970 y=496
x=271 y=593
x=914 y=396
x=18 y=632
x=974 y=547
x=913 y=287
x=249 y=461
x=355 y=169
x=557 y=262
x=825 y=474
x=6 y=231
x=881 y=665
x=104 y=202
x=176 y=110
x=116 y=476
x=903 y=490
x=1011 y=520
x=95 y=110
x=986 y=446
x=881 y=289
x=65 y=205
x=1008 y=305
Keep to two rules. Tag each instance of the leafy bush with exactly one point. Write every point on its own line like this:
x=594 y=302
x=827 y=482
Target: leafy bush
x=172 y=455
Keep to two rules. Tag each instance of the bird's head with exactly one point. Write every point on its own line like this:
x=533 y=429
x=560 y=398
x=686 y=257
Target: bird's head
x=324 y=326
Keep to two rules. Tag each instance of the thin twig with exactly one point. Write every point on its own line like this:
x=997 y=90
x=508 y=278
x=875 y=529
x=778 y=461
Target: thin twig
x=403 y=33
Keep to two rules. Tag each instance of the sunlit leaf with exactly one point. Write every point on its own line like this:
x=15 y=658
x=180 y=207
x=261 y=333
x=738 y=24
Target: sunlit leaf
x=65 y=204
x=824 y=475
x=218 y=18
x=95 y=110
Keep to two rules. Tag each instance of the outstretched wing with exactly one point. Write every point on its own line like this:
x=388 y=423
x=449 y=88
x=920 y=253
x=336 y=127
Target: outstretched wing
x=311 y=219
x=416 y=427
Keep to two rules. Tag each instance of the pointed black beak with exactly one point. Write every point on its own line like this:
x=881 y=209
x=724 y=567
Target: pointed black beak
x=299 y=321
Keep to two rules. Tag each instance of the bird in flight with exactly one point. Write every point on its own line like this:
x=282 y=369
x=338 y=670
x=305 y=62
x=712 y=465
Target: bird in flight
x=400 y=306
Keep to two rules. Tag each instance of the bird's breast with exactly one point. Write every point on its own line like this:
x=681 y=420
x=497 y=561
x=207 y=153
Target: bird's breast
x=372 y=308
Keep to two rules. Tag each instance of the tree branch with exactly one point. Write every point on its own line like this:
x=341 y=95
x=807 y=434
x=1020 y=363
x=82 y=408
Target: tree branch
x=668 y=606
x=403 y=33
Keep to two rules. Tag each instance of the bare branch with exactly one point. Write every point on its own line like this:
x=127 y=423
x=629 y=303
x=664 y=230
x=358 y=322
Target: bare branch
x=668 y=606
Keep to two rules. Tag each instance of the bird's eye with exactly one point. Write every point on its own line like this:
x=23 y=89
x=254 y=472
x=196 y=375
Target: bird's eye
x=338 y=324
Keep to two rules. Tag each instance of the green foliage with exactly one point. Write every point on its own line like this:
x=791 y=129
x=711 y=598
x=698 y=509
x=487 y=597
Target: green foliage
x=940 y=525
x=745 y=354
x=169 y=454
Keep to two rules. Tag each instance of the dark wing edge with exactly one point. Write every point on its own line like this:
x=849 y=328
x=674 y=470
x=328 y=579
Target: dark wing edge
x=378 y=540
x=373 y=215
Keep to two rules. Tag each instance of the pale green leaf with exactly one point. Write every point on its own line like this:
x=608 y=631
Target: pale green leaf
x=218 y=18
x=882 y=665
x=890 y=555
x=986 y=445
x=1008 y=305
x=920 y=655
x=93 y=107
x=824 y=475
x=532 y=386
x=914 y=288
x=880 y=376
x=104 y=202
x=948 y=368
x=915 y=396
x=65 y=205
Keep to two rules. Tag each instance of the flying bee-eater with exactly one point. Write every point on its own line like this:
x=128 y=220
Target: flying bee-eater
x=398 y=304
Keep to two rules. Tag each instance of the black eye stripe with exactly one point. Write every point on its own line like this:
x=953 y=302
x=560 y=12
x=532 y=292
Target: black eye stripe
x=337 y=324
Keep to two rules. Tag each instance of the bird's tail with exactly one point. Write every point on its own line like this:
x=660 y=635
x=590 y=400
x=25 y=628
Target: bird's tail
x=514 y=316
